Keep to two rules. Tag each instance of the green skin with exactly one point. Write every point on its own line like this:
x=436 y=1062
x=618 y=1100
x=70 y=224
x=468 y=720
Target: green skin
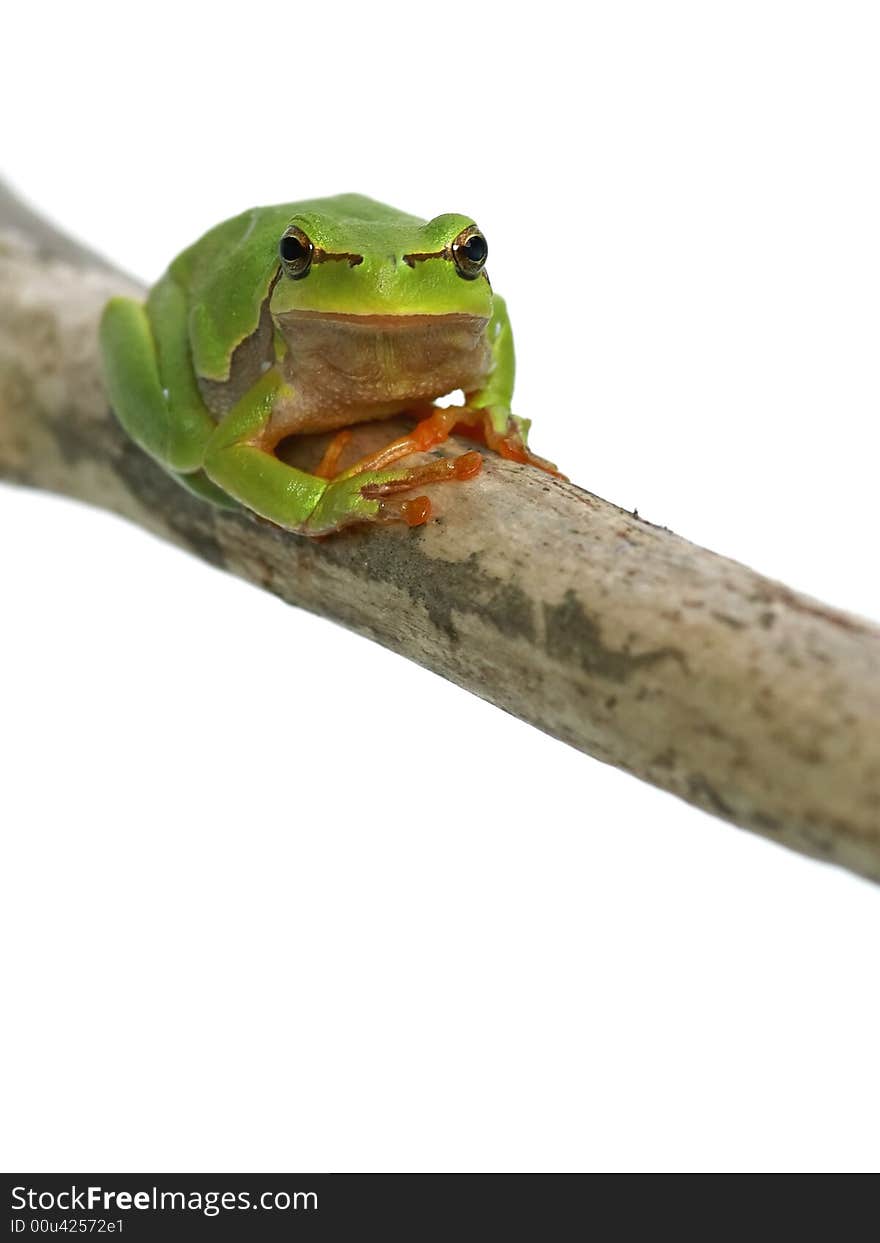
x=230 y=353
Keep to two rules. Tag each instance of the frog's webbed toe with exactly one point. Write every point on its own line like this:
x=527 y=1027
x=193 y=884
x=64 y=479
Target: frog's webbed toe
x=417 y=510
x=508 y=442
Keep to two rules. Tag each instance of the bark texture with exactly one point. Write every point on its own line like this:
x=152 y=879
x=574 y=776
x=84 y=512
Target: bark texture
x=755 y=703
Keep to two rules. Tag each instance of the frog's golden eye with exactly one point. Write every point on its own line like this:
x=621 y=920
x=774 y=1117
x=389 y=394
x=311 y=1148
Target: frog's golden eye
x=469 y=252
x=296 y=252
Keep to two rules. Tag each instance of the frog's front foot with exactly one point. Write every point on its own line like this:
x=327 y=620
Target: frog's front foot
x=376 y=495
x=506 y=434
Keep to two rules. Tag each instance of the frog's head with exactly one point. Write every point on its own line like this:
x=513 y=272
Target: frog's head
x=362 y=261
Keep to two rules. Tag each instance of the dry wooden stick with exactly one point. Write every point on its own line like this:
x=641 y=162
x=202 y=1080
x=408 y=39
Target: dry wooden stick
x=690 y=671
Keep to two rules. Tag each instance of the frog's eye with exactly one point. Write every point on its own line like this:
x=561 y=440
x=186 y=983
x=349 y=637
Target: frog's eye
x=296 y=252
x=470 y=251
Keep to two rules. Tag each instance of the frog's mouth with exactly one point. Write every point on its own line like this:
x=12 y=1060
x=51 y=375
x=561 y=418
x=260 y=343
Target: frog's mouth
x=387 y=323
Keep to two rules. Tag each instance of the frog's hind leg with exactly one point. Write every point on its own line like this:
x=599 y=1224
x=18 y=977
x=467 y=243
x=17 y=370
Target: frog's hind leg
x=149 y=379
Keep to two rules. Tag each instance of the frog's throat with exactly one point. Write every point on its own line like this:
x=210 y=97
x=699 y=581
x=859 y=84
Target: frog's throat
x=363 y=366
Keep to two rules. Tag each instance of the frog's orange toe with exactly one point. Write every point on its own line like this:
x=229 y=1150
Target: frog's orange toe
x=467 y=465
x=531 y=459
x=512 y=448
x=414 y=511
x=327 y=467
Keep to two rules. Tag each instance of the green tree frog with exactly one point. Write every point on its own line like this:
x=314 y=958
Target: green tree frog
x=311 y=317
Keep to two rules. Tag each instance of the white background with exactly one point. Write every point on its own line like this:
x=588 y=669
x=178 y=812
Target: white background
x=222 y=954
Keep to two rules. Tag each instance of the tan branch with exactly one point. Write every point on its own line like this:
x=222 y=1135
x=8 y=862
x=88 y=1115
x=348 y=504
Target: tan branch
x=755 y=703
